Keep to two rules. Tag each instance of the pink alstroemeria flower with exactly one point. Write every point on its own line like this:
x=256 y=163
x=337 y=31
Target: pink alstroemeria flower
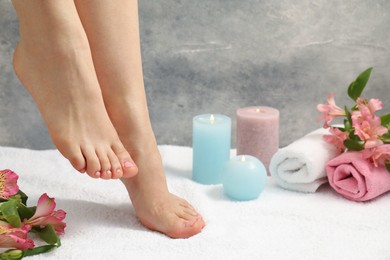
x=369 y=129
x=337 y=138
x=330 y=111
x=368 y=108
x=45 y=214
x=379 y=155
x=8 y=183
x=11 y=237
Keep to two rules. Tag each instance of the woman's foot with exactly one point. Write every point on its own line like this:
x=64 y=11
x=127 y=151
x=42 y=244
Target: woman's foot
x=59 y=74
x=155 y=206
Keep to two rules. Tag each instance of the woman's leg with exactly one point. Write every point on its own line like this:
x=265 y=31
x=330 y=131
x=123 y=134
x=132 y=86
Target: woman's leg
x=53 y=61
x=113 y=34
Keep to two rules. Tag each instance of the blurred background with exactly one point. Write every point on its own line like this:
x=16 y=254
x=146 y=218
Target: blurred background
x=214 y=56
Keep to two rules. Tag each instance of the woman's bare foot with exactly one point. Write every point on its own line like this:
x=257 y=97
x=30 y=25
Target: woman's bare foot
x=54 y=63
x=155 y=206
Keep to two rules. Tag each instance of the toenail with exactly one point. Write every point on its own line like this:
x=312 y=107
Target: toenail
x=118 y=170
x=108 y=172
x=128 y=164
x=97 y=174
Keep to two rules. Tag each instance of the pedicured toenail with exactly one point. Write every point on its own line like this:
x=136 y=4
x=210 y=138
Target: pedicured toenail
x=97 y=174
x=108 y=172
x=118 y=170
x=128 y=164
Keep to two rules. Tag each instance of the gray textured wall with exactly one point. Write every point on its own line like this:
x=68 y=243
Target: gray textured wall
x=215 y=56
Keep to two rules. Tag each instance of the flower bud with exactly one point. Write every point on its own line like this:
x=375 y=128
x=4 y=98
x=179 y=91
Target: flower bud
x=12 y=254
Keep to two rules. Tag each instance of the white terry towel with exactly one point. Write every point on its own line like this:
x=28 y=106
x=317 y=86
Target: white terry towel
x=279 y=225
x=300 y=166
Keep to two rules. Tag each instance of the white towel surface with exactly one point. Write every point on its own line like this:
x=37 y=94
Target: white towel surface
x=280 y=224
x=300 y=166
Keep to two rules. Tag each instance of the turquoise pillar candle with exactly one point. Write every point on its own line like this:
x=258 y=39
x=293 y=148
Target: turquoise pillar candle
x=244 y=178
x=211 y=147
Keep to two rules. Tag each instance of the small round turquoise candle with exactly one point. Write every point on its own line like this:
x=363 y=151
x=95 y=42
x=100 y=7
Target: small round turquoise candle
x=211 y=147
x=244 y=178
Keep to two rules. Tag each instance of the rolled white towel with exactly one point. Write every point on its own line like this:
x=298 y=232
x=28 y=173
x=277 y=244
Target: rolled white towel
x=300 y=166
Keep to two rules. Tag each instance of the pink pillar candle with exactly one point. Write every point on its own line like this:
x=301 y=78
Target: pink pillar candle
x=258 y=133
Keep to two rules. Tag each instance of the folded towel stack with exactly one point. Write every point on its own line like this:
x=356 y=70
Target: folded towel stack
x=300 y=166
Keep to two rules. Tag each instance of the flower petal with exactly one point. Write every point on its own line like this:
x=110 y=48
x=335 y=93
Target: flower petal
x=45 y=214
x=8 y=183
x=12 y=241
x=45 y=206
x=11 y=237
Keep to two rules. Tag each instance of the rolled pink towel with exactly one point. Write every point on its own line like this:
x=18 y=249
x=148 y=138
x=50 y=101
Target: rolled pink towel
x=356 y=178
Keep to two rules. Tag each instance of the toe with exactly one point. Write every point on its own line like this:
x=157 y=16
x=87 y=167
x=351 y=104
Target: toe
x=187 y=214
x=190 y=212
x=105 y=164
x=186 y=205
x=93 y=164
x=128 y=166
x=187 y=228
x=116 y=167
x=76 y=158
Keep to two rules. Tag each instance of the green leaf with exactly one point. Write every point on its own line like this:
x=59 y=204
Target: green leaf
x=10 y=213
x=39 y=250
x=387 y=166
x=25 y=212
x=348 y=123
x=385 y=137
x=49 y=235
x=385 y=120
x=353 y=145
x=23 y=197
x=354 y=137
x=347 y=126
x=356 y=88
